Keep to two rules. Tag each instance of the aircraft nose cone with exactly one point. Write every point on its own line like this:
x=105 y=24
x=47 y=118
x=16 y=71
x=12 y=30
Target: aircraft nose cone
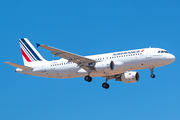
x=171 y=58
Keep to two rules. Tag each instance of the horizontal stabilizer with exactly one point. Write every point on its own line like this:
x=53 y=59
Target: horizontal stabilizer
x=19 y=66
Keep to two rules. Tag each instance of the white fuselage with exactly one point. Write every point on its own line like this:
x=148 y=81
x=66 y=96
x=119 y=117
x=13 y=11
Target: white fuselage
x=124 y=61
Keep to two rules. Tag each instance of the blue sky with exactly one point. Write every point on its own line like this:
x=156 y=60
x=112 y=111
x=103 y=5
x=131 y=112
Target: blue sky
x=87 y=28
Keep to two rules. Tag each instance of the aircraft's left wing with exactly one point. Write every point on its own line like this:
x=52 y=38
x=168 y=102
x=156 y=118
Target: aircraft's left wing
x=80 y=60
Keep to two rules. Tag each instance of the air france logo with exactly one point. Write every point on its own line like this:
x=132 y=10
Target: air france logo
x=130 y=52
x=142 y=51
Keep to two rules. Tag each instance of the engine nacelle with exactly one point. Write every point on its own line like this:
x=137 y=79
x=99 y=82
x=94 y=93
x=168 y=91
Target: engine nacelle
x=105 y=66
x=129 y=77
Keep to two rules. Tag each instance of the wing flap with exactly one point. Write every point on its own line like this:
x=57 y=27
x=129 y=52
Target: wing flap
x=19 y=66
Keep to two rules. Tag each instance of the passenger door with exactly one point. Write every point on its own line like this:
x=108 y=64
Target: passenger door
x=148 y=54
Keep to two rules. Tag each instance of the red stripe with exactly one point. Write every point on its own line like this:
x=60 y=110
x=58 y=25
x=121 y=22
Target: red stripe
x=25 y=56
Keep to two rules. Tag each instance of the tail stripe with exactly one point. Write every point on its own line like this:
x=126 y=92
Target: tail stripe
x=30 y=49
x=26 y=51
x=25 y=56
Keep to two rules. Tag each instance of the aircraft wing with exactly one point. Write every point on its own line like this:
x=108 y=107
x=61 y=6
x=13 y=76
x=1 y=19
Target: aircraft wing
x=19 y=66
x=80 y=60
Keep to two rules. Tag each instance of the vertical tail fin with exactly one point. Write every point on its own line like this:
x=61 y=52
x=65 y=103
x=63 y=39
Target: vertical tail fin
x=29 y=53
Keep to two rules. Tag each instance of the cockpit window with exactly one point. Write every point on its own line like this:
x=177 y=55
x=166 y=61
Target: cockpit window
x=162 y=52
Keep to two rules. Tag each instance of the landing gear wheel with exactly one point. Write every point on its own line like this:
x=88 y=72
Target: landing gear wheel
x=152 y=76
x=105 y=85
x=88 y=78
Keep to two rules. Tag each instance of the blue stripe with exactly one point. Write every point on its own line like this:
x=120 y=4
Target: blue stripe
x=30 y=49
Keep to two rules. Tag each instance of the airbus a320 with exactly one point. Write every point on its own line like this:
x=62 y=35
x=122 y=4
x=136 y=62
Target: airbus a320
x=117 y=65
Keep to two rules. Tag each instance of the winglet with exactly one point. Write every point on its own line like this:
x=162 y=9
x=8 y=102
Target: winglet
x=38 y=45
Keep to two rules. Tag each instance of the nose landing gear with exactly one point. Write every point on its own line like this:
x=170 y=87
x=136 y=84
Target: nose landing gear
x=152 y=75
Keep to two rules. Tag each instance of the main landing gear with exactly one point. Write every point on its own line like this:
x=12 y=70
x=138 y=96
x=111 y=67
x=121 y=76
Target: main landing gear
x=105 y=84
x=152 y=75
x=88 y=78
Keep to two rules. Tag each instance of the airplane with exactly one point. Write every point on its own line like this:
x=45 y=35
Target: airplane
x=117 y=65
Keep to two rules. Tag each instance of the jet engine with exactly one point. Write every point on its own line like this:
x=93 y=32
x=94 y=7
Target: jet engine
x=105 y=66
x=129 y=77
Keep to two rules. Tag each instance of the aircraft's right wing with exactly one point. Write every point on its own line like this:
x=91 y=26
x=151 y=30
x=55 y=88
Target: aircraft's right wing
x=19 y=66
